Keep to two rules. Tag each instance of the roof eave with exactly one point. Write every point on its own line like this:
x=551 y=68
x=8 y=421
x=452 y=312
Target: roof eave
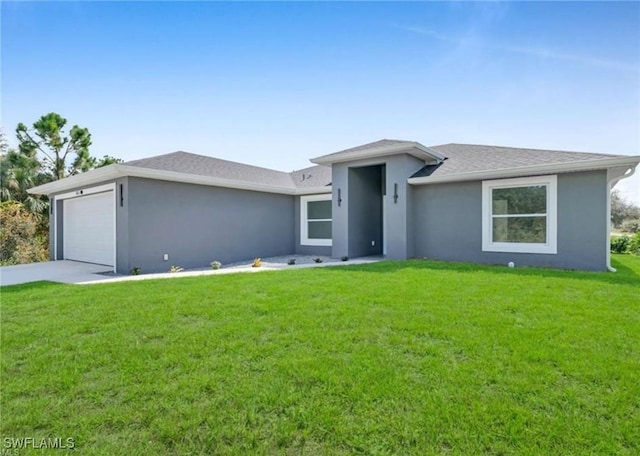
x=113 y=172
x=94 y=176
x=173 y=176
x=414 y=149
x=313 y=190
x=586 y=165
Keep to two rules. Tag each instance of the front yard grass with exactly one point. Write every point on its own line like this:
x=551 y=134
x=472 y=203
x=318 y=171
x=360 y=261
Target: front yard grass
x=416 y=357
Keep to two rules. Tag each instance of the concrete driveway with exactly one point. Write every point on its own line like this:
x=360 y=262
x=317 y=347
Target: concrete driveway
x=54 y=271
x=66 y=271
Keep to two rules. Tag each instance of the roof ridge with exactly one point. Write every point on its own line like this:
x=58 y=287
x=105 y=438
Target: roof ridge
x=304 y=169
x=396 y=140
x=154 y=156
x=526 y=148
x=208 y=157
x=374 y=144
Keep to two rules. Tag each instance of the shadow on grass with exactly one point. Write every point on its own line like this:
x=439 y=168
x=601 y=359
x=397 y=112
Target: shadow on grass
x=625 y=274
x=31 y=286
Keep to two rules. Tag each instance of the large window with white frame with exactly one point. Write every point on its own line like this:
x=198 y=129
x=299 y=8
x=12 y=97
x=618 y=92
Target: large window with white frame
x=315 y=220
x=520 y=215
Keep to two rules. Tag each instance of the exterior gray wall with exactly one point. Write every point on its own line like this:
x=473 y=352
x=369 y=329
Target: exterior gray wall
x=339 y=210
x=399 y=214
x=122 y=225
x=52 y=220
x=365 y=216
x=448 y=224
x=59 y=230
x=398 y=224
x=55 y=229
x=305 y=249
x=197 y=224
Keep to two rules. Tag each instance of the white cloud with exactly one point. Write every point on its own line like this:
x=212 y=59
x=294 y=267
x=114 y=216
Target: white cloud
x=528 y=50
x=591 y=61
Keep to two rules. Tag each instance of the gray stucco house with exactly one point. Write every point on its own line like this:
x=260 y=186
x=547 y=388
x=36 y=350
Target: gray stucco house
x=394 y=198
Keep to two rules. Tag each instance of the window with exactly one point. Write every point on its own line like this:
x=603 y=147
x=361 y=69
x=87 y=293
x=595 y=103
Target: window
x=519 y=215
x=315 y=220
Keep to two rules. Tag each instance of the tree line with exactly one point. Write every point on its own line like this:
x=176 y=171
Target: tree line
x=46 y=152
x=625 y=215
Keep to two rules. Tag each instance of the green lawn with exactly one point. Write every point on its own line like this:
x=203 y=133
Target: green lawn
x=415 y=357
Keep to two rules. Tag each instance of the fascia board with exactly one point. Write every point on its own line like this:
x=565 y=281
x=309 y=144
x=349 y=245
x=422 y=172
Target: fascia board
x=414 y=149
x=92 y=177
x=587 y=165
x=432 y=152
x=172 y=176
x=115 y=171
x=313 y=190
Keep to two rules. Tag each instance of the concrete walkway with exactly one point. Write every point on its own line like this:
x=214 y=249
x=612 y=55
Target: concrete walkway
x=85 y=273
x=54 y=271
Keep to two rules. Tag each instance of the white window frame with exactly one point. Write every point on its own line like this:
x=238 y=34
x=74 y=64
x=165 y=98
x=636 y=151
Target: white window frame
x=304 y=225
x=550 y=247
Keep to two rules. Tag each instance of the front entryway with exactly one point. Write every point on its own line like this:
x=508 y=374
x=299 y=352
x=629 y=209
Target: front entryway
x=365 y=218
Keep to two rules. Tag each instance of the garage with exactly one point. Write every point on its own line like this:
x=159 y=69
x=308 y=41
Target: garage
x=89 y=228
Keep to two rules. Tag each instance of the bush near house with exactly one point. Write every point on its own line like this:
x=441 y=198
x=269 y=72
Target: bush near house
x=620 y=244
x=626 y=244
x=21 y=238
x=635 y=244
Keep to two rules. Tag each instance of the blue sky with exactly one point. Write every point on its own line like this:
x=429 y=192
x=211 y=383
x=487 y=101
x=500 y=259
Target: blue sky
x=274 y=84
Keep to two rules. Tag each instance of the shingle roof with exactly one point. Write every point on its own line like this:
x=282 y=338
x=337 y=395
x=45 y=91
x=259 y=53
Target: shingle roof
x=314 y=176
x=463 y=161
x=381 y=148
x=201 y=165
x=371 y=145
x=465 y=158
x=461 y=158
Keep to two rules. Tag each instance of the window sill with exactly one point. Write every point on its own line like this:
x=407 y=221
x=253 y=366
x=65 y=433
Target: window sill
x=543 y=249
x=316 y=242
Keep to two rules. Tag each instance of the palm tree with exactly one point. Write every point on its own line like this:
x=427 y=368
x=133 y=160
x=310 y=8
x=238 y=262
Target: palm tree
x=18 y=173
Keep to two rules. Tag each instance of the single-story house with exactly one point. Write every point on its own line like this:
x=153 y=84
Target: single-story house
x=399 y=199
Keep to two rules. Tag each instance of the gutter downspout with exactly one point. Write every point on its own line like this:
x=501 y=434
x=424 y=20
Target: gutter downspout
x=614 y=175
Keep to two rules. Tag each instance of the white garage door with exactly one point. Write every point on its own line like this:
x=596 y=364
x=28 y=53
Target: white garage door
x=88 y=228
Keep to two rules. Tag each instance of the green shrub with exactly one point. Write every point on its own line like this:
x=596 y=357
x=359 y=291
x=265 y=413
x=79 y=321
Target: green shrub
x=634 y=247
x=215 y=265
x=291 y=262
x=135 y=270
x=21 y=240
x=620 y=244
